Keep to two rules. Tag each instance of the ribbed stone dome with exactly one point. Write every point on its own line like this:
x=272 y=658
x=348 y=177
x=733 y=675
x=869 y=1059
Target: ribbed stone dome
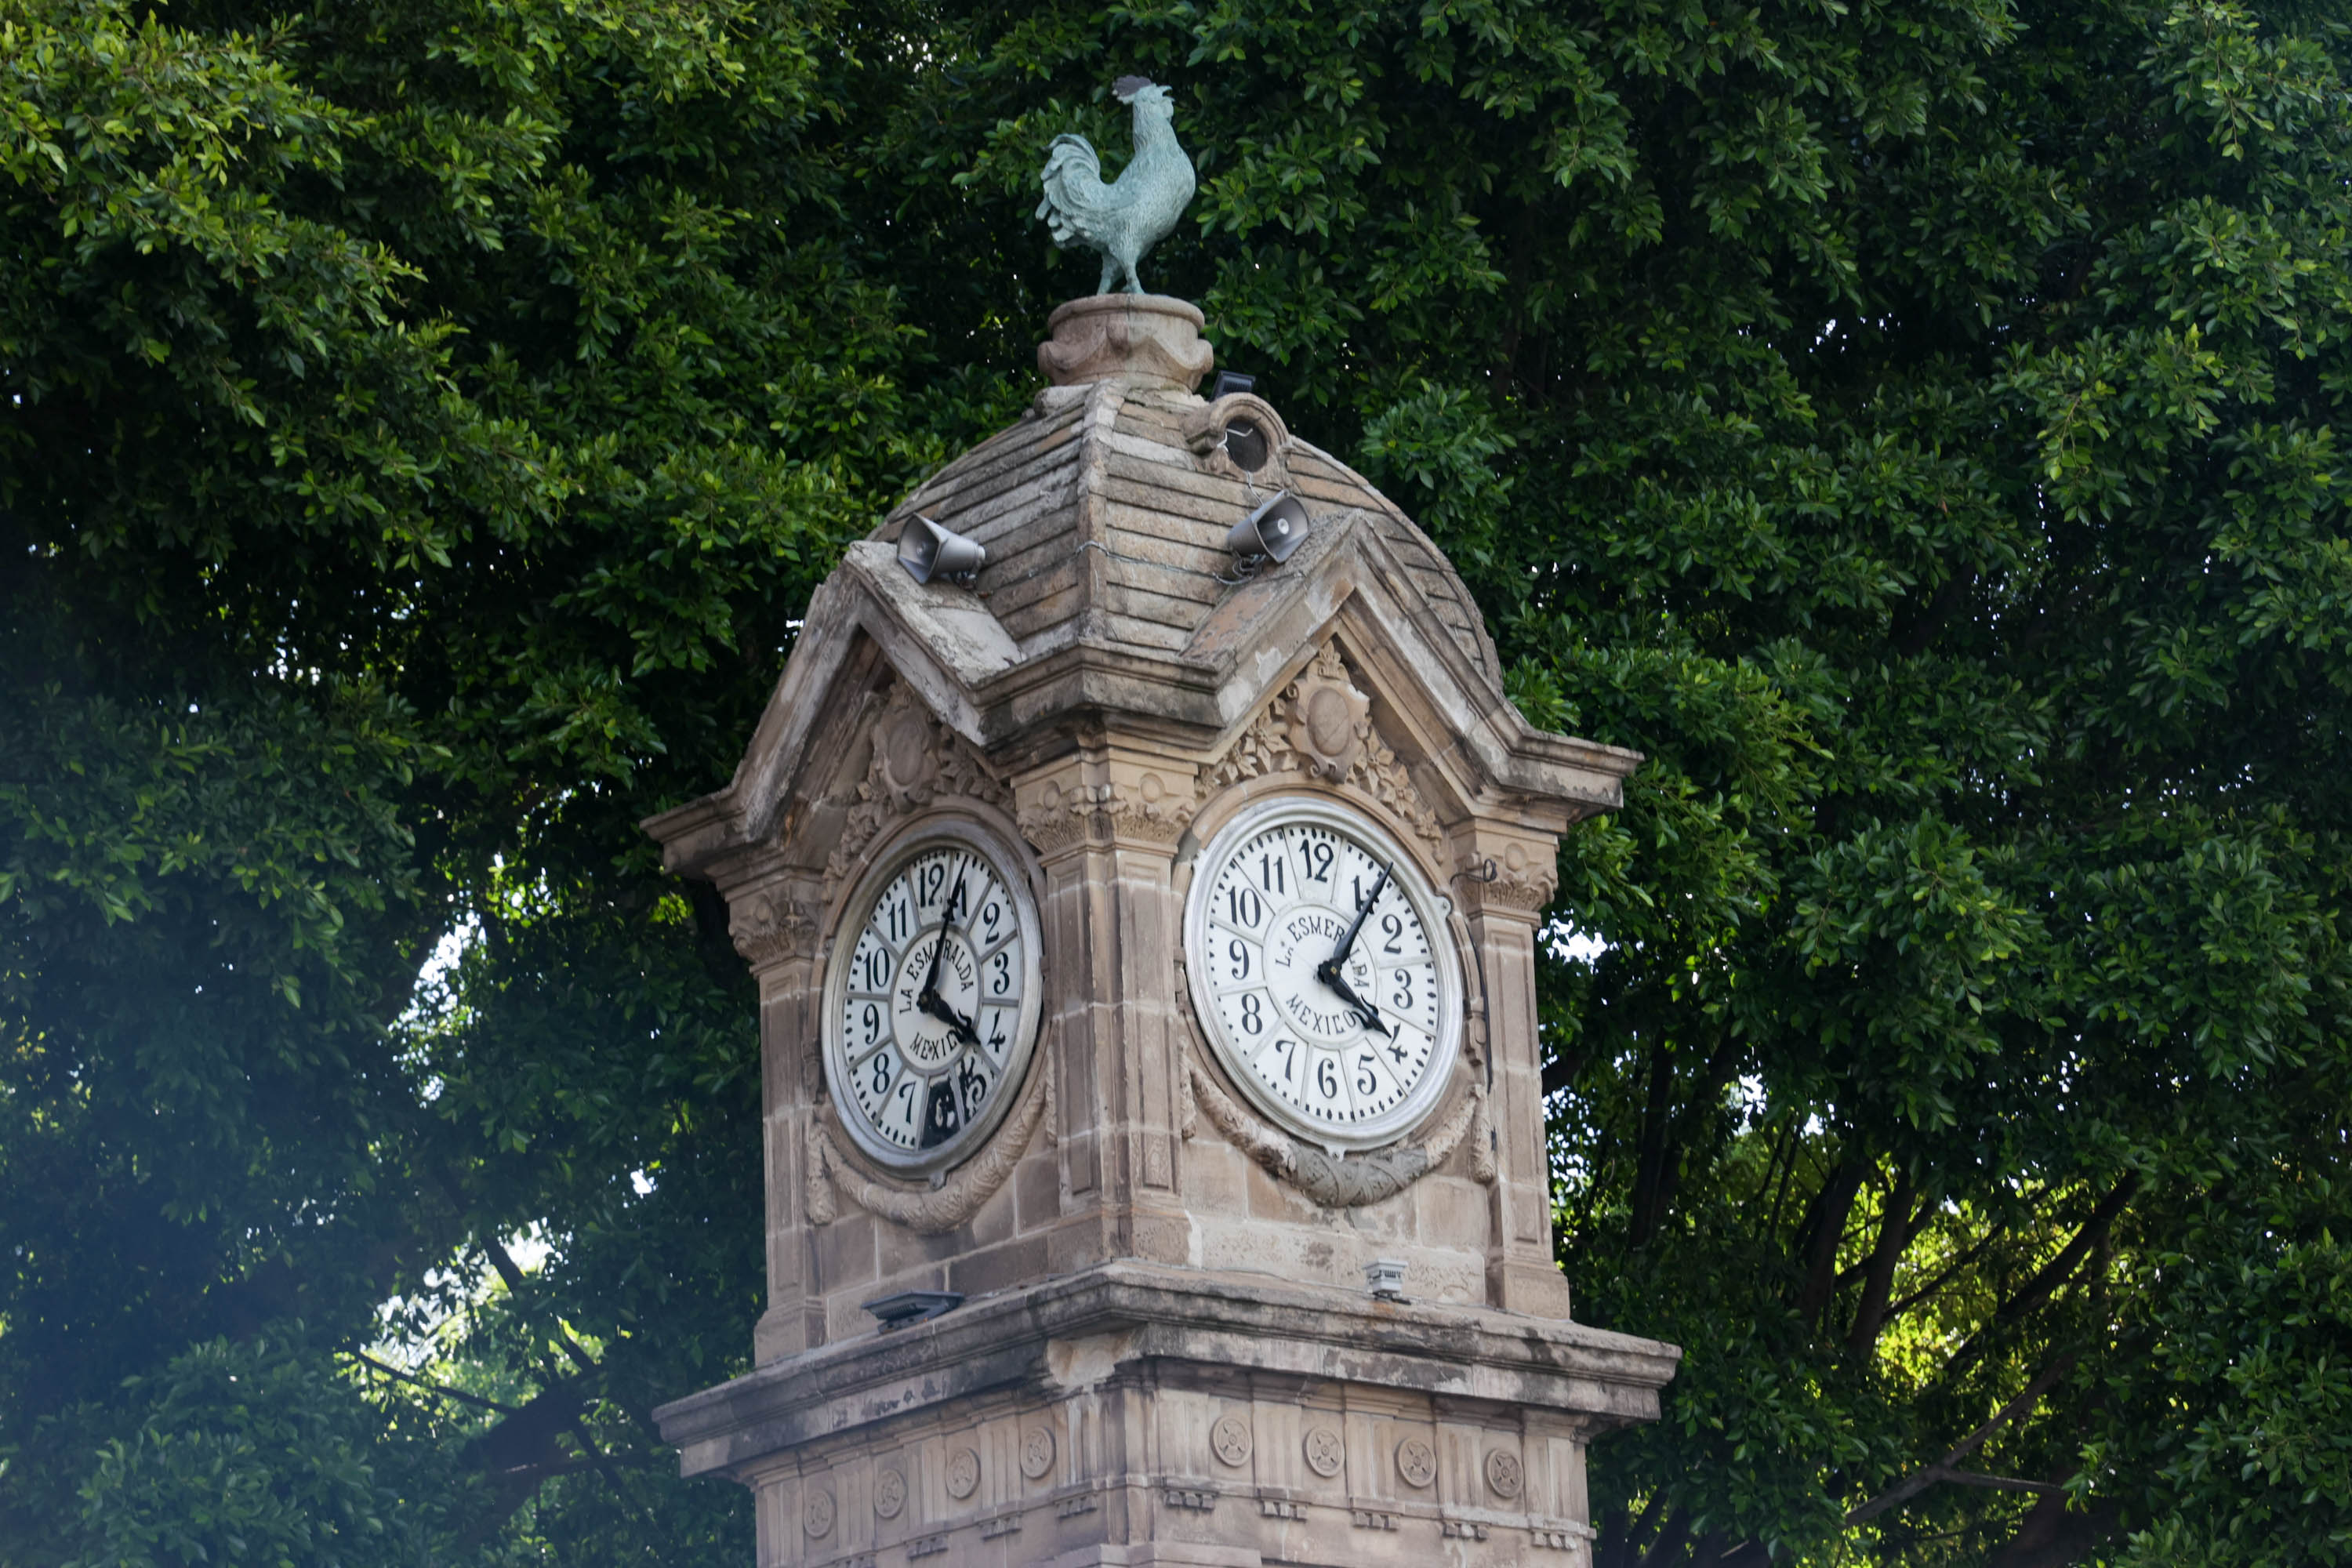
x=1105 y=510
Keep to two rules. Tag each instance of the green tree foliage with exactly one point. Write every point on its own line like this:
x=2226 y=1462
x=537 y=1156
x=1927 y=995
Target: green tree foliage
x=1914 y=425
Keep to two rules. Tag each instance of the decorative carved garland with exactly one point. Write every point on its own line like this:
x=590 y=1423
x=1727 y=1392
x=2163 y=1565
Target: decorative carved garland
x=1321 y=725
x=916 y=760
x=1331 y=1181
x=1106 y=811
x=930 y=1210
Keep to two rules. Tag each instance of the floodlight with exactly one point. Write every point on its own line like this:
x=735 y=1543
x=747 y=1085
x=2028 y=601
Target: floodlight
x=928 y=551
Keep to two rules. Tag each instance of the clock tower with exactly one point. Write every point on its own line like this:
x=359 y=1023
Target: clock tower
x=1145 y=934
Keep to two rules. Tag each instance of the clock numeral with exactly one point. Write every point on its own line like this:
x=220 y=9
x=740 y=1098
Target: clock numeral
x=1317 y=856
x=1404 y=977
x=898 y=919
x=1271 y=869
x=1244 y=906
x=870 y=1020
x=1240 y=952
x=1327 y=1081
x=1253 y=1018
x=882 y=1066
x=1366 y=1083
x=1000 y=981
x=1392 y=928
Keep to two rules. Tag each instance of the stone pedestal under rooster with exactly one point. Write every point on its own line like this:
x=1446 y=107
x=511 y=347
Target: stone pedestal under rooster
x=1155 y=1164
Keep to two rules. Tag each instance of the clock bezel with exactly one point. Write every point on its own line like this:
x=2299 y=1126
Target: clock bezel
x=910 y=843
x=1435 y=912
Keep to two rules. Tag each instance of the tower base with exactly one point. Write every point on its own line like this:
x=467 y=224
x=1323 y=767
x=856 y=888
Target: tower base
x=1142 y=1414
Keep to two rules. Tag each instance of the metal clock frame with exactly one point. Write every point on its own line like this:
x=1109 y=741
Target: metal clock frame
x=1434 y=911
x=912 y=842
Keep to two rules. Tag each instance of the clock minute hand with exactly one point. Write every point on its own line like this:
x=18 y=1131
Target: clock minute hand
x=929 y=999
x=1327 y=972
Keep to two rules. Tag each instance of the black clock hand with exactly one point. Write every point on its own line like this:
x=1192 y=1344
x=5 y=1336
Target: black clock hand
x=928 y=1000
x=1366 y=1012
x=1327 y=972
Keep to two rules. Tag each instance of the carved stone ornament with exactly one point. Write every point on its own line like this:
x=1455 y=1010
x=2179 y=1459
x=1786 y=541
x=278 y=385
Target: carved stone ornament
x=1229 y=1439
x=816 y=1512
x=766 y=929
x=963 y=1473
x=1504 y=1476
x=1324 y=1450
x=1334 y=1180
x=1036 y=1452
x=928 y=1210
x=1320 y=726
x=1417 y=1461
x=1144 y=340
x=1148 y=809
x=916 y=760
x=1518 y=881
x=890 y=1491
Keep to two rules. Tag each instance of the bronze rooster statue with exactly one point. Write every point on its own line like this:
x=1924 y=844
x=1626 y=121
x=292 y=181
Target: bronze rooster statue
x=1133 y=213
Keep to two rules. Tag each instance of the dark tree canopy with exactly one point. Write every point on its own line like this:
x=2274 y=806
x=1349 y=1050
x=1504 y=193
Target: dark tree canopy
x=1914 y=425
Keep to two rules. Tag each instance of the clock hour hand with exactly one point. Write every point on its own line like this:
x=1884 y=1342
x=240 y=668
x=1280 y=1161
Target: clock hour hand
x=1365 y=1012
x=928 y=1000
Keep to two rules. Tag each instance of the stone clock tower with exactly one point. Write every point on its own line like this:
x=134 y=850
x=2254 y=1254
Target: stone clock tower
x=1146 y=954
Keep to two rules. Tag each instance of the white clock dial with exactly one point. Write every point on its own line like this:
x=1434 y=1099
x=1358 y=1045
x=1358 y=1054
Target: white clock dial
x=1323 y=971
x=931 y=999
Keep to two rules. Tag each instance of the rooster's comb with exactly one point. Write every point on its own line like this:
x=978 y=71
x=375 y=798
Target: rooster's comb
x=1127 y=86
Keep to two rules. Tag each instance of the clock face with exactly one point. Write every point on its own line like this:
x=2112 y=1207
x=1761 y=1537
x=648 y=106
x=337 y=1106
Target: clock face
x=931 y=999
x=1323 y=971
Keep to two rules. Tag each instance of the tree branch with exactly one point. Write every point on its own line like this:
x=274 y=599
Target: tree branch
x=2053 y=1275
x=457 y=1395
x=1824 y=1231
x=1946 y=1468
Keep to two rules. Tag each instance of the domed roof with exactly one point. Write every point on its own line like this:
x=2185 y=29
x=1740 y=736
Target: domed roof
x=1104 y=513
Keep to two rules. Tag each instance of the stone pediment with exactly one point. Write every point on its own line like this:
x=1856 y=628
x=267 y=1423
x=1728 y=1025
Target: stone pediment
x=1011 y=704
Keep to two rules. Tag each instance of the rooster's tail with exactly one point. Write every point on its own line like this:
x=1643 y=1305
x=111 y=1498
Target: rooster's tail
x=1074 y=189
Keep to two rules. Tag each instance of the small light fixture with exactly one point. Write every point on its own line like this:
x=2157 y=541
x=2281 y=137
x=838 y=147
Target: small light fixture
x=1272 y=531
x=928 y=551
x=1230 y=382
x=1384 y=1277
x=906 y=1307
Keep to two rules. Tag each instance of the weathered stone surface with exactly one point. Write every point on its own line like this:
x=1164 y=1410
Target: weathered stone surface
x=1145 y=339
x=1151 y=1263
x=1127 y=1407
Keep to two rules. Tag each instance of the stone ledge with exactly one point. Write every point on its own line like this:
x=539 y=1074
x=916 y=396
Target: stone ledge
x=1093 y=1327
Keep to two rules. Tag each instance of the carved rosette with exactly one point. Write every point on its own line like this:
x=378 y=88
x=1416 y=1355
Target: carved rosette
x=917 y=760
x=1320 y=726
